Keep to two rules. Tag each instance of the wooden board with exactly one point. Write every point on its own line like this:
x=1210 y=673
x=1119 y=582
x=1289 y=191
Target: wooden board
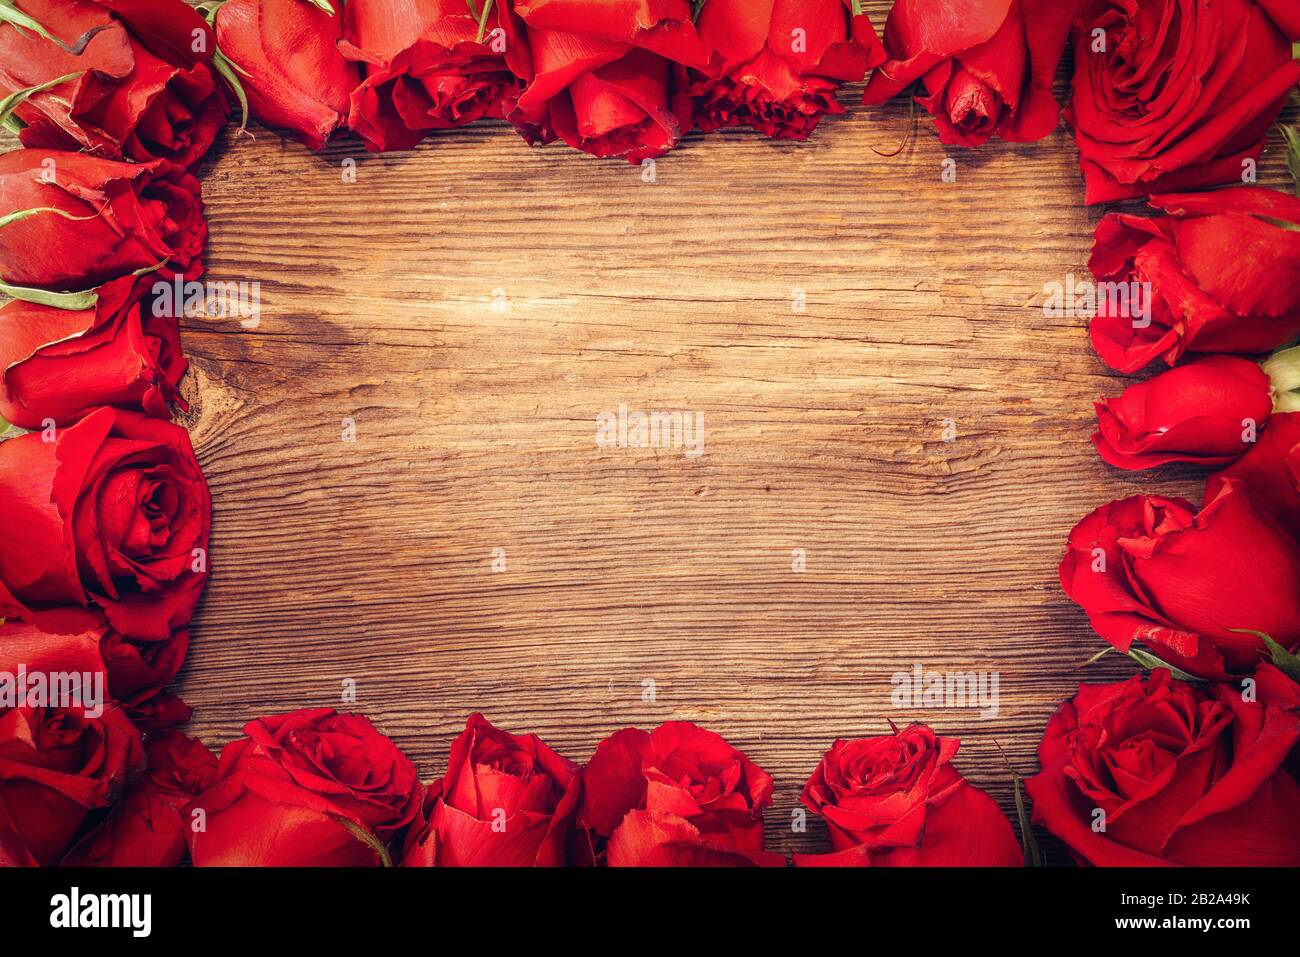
x=474 y=306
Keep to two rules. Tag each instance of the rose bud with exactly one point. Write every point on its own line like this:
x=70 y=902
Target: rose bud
x=1215 y=275
x=603 y=79
x=75 y=222
x=987 y=69
x=107 y=523
x=159 y=711
x=307 y=789
x=677 y=796
x=1168 y=98
x=430 y=65
x=143 y=87
x=1207 y=412
x=505 y=801
x=286 y=53
x=780 y=63
x=138 y=669
x=147 y=827
x=60 y=364
x=1186 y=584
x=1150 y=772
x=897 y=801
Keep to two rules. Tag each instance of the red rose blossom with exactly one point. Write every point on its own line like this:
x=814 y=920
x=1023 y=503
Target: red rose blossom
x=1151 y=772
x=1270 y=471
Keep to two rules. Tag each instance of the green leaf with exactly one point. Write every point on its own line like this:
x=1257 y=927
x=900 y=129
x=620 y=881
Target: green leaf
x=323 y=5
x=19 y=97
x=365 y=837
x=1033 y=856
x=1285 y=661
x=227 y=71
x=74 y=301
x=1151 y=662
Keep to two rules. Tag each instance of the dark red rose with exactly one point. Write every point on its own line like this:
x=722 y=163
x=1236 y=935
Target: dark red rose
x=1208 y=412
x=505 y=801
x=676 y=796
x=144 y=86
x=158 y=712
x=1221 y=270
x=286 y=52
x=1184 y=583
x=897 y=801
x=307 y=789
x=1172 y=96
x=147 y=827
x=108 y=523
x=779 y=63
x=430 y=65
x=137 y=668
x=118 y=219
x=1154 y=772
x=986 y=65
x=60 y=364
x=603 y=75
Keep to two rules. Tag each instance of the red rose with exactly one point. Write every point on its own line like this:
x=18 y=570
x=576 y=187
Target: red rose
x=1171 y=96
x=307 y=789
x=505 y=801
x=287 y=56
x=117 y=219
x=60 y=364
x=138 y=669
x=1156 y=772
x=147 y=827
x=1154 y=570
x=897 y=801
x=604 y=75
x=987 y=65
x=108 y=522
x=1220 y=269
x=1270 y=471
x=429 y=66
x=677 y=796
x=159 y=711
x=1205 y=412
x=143 y=87
x=780 y=63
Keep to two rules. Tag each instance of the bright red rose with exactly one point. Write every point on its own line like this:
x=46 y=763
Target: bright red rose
x=144 y=86
x=1154 y=570
x=60 y=364
x=1172 y=96
x=897 y=801
x=780 y=63
x=107 y=523
x=1269 y=471
x=117 y=219
x=1154 y=772
x=147 y=827
x=286 y=52
x=604 y=75
x=430 y=65
x=1207 y=412
x=505 y=801
x=676 y=796
x=986 y=65
x=307 y=789
x=1221 y=269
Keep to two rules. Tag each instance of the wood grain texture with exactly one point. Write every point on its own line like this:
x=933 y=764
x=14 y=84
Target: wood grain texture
x=475 y=430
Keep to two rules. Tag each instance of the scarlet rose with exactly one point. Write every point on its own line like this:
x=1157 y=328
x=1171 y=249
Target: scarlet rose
x=60 y=364
x=604 y=75
x=1154 y=570
x=677 y=796
x=780 y=63
x=307 y=789
x=1205 y=412
x=505 y=801
x=143 y=89
x=1172 y=96
x=286 y=52
x=897 y=801
x=147 y=827
x=108 y=522
x=429 y=66
x=987 y=65
x=1157 y=772
x=1197 y=303
x=114 y=219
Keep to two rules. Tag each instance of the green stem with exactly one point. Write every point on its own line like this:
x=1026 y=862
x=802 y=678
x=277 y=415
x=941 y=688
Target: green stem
x=19 y=97
x=482 y=21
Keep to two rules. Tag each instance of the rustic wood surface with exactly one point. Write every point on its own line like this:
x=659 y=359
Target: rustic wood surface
x=475 y=305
